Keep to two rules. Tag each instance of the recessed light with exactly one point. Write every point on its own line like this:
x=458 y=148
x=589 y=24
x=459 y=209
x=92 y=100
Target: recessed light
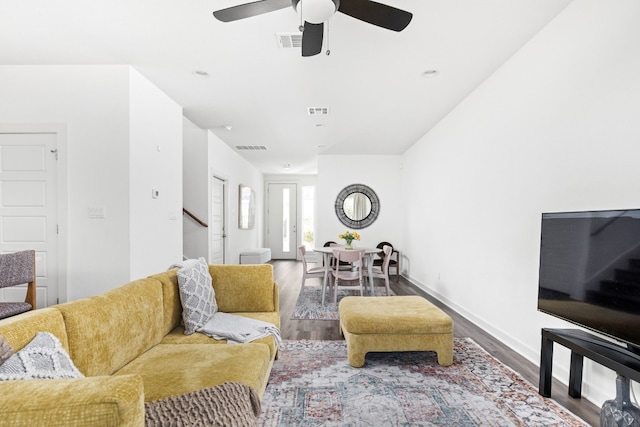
x=227 y=127
x=429 y=73
x=319 y=125
x=286 y=166
x=319 y=146
x=201 y=73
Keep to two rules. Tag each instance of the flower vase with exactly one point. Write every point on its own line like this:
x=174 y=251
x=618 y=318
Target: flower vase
x=620 y=411
x=348 y=246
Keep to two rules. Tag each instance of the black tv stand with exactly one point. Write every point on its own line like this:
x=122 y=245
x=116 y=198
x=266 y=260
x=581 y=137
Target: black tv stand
x=581 y=344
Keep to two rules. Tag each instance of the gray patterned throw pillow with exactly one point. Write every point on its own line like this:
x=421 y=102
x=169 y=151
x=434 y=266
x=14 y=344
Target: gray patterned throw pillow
x=43 y=358
x=196 y=294
x=5 y=350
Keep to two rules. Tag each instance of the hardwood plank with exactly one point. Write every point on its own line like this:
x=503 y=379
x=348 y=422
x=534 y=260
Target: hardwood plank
x=288 y=274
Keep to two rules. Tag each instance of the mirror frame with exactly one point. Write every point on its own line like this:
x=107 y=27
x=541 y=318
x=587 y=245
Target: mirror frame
x=362 y=223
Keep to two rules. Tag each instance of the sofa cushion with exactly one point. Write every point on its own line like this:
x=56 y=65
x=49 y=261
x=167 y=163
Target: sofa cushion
x=248 y=288
x=232 y=302
x=196 y=294
x=91 y=401
x=42 y=358
x=200 y=366
x=109 y=330
x=177 y=335
x=20 y=330
x=172 y=307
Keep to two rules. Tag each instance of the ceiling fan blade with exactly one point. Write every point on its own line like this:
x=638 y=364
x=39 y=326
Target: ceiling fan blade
x=378 y=14
x=248 y=10
x=312 y=39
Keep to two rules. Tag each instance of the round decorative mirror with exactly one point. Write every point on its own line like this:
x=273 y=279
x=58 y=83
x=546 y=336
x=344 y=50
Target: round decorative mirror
x=357 y=206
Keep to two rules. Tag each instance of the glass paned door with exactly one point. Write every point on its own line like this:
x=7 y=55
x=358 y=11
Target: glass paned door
x=308 y=221
x=282 y=222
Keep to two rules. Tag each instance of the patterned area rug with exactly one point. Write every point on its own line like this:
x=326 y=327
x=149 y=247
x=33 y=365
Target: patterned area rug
x=313 y=385
x=309 y=304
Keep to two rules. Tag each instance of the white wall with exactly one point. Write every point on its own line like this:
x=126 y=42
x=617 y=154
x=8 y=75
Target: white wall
x=94 y=104
x=228 y=165
x=196 y=190
x=382 y=174
x=156 y=164
x=555 y=129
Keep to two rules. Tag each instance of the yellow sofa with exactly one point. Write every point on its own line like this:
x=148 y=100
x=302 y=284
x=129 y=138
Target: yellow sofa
x=130 y=345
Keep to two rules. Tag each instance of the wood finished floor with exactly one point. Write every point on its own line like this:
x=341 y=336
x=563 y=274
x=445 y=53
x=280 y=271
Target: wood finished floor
x=288 y=274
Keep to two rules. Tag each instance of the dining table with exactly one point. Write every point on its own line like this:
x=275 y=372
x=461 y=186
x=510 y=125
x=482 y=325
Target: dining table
x=327 y=253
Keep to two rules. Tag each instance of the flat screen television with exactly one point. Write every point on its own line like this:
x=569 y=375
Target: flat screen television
x=590 y=271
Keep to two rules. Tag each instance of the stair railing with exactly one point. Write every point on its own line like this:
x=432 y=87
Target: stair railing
x=608 y=223
x=193 y=217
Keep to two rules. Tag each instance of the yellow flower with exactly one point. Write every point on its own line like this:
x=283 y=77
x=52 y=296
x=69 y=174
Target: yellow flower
x=349 y=235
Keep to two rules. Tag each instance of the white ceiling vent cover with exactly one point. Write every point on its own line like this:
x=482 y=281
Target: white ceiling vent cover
x=289 y=40
x=251 y=147
x=318 y=111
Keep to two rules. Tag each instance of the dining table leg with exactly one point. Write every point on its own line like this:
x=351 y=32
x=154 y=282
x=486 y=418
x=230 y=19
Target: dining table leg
x=369 y=259
x=326 y=258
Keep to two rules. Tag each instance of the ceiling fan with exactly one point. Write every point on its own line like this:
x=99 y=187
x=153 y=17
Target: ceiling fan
x=316 y=12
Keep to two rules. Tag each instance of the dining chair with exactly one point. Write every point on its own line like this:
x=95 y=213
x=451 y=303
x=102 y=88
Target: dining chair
x=343 y=265
x=393 y=263
x=354 y=258
x=309 y=272
x=18 y=268
x=381 y=271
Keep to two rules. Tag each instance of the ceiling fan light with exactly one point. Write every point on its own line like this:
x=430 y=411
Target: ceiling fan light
x=317 y=11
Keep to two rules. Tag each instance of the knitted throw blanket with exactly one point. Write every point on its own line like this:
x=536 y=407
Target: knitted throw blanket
x=231 y=404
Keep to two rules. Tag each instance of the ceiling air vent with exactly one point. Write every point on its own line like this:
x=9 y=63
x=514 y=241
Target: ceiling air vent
x=289 y=40
x=317 y=111
x=251 y=147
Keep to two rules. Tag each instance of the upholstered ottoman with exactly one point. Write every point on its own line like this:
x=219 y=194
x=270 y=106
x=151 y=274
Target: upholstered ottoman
x=395 y=323
x=255 y=256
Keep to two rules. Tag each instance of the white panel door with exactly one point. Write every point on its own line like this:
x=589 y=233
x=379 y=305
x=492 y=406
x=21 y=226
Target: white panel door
x=217 y=227
x=282 y=228
x=28 y=217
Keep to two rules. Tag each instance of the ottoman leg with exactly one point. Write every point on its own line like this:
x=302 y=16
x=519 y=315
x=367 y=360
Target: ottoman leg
x=356 y=359
x=445 y=351
x=445 y=358
x=356 y=348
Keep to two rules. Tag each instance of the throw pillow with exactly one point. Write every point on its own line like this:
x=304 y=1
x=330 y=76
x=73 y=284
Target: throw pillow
x=43 y=358
x=196 y=294
x=5 y=350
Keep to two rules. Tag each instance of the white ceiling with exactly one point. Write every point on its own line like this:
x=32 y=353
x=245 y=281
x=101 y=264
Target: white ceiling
x=372 y=82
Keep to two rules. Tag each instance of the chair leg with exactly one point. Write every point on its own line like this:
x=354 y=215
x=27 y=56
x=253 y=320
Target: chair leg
x=31 y=294
x=386 y=283
x=326 y=285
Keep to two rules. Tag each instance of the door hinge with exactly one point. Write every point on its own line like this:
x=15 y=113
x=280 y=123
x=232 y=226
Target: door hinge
x=55 y=152
x=57 y=229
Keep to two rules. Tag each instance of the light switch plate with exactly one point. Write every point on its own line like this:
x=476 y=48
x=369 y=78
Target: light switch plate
x=97 y=212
